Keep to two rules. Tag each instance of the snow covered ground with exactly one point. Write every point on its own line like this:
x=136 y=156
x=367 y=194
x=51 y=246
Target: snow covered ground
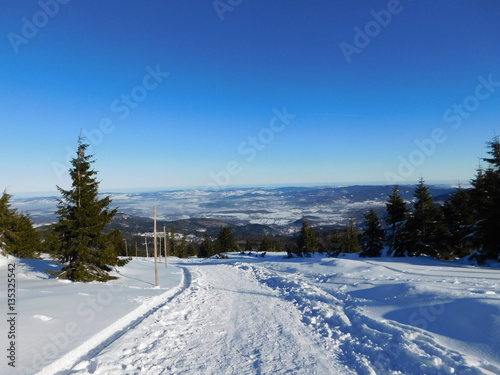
x=254 y=315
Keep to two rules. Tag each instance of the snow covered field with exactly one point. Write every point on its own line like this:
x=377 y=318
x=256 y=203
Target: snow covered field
x=254 y=315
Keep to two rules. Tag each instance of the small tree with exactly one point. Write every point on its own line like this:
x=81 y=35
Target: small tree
x=266 y=244
x=248 y=246
x=206 y=247
x=306 y=241
x=87 y=251
x=372 y=240
x=225 y=241
x=459 y=219
x=350 y=243
x=173 y=243
x=17 y=234
x=182 y=248
x=486 y=203
x=427 y=233
x=396 y=234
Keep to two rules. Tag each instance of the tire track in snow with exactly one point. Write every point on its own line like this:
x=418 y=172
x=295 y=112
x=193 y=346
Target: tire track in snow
x=85 y=353
x=366 y=345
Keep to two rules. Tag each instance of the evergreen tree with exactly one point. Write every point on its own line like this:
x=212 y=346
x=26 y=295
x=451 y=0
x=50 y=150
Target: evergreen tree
x=225 y=241
x=459 y=219
x=86 y=250
x=191 y=249
x=6 y=215
x=306 y=241
x=334 y=247
x=277 y=245
x=17 y=234
x=182 y=249
x=28 y=243
x=206 y=247
x=427 y=233
x=486 y=203
x=172 y=243
x=266 y=244
x=248 y=246
x=372 y=240
x=396 y=234
x=350 y=241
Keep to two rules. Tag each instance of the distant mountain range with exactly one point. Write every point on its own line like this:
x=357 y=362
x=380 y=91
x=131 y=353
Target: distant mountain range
x=252 y=210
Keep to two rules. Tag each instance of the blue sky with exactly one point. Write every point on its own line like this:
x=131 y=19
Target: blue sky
x=218 y=93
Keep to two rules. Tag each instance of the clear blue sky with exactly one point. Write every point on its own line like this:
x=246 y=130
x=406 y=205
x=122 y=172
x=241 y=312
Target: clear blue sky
x=187 y=93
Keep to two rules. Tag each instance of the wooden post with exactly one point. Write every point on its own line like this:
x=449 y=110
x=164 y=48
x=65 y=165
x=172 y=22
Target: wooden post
x=165 y=244
x=146 y=242
x=157 y=282
x=136 y=249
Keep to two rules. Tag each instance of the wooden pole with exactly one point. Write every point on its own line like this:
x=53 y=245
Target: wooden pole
x=165 y=244
x=146 y=242
x=136 y=247
x=157 y=282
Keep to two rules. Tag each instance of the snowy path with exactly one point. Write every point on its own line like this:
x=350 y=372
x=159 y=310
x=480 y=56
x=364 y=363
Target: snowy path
x=253 y=315
x=226 y=322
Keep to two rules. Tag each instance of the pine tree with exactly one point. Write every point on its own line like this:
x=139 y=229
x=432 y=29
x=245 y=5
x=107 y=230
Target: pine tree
x=334 y=246
x=225 y=241
x=372 y=240
x=172 y=243
x=17 y=234
x=396 y=234
x=459 y=219
x=486 y=203
x=206 y=248
x=191 y=249
x=182 y=249
x=28 y=243
x=266 y=244
x=277 y=245
x=306 y=241
x=248 y=246
x=427 y=232
x=350 y=241
x=7 y=236
x=84 y=247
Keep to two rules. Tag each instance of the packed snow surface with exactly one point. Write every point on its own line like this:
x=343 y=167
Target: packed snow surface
x=260 y=315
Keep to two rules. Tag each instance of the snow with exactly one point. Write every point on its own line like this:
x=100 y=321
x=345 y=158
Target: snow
x=254 y=315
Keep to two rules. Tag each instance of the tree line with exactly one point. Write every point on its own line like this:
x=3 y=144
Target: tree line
x=467 y=223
